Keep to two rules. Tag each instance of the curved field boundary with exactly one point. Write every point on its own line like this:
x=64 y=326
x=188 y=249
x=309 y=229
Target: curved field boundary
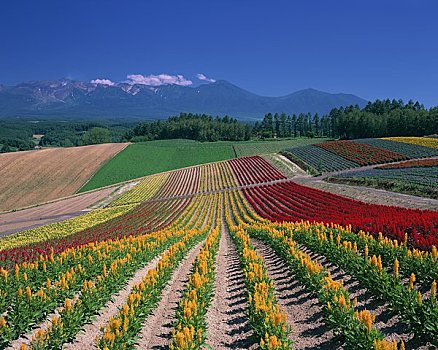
x=142 y=159
x=320 y=159
x=62 y=228
x=39 y=176
x=56 y=211
x=408 y=149
x=421 y=163
x=360 y=153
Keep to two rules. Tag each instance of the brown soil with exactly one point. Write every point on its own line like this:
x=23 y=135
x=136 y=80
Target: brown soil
x=34 y=177
x=86 y=339
x=49 y=213
x=227 y=324
x=302 y=308
x=156 y=332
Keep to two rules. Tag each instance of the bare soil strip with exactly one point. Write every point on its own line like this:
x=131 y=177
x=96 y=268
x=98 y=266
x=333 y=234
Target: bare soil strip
x=49 y=213
x=156 y=332
x=86 y=339
x=227 y=324
x=302 y=308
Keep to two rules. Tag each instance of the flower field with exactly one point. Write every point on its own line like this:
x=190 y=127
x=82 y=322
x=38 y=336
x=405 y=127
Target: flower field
x=295 y=265
x=410 y=150
x=318 y=158
x=417 y=177
x=254 y=170
x=293 y=202
x=360 y=153
x=331 y=156
x=413 y=175
x=422 y=163
x=420 y=141
x=63 y=228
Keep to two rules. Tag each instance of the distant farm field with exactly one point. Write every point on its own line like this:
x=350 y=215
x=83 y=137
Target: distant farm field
x=252 y=148
x=33 y=177
x=141 y=159
x=146 y=158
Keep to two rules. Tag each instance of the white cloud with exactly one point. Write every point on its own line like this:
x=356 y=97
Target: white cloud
x=102 y=82
x=202 y=77
x=158 y=80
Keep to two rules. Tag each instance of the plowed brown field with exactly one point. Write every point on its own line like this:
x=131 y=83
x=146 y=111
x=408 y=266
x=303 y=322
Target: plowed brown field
x=34 y=177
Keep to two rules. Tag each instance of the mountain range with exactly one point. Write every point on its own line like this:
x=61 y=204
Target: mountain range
x=70 y=99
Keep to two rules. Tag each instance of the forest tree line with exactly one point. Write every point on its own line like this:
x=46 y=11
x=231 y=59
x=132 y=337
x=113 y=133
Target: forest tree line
x=23 y=135
x=199 y=127
x=376 y=119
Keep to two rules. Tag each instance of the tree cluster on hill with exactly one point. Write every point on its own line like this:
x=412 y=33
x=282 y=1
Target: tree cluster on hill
x=282 y=125
x=384 y=118
x=376 y=119
x=199 y=127
x=18 y=135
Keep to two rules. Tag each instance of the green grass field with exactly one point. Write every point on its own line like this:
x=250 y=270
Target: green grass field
x=146 y=158
x=141 y=159
x=252 y=148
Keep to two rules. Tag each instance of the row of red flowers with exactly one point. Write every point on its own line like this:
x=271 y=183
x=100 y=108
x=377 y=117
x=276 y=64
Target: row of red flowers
x=147 y=217
x=253 y=170
x=361 y=153
x=180 y=182
x=289 y=201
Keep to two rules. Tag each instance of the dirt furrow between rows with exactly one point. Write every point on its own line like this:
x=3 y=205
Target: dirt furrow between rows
x=302 y=308
x=156 y=332
x=227 y=323
x=386 y=321
x=86 y=339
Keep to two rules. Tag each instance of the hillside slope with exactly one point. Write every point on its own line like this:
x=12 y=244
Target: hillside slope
x=33 y=177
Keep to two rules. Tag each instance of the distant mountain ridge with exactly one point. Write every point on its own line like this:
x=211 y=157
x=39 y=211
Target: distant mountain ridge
x=70 y=99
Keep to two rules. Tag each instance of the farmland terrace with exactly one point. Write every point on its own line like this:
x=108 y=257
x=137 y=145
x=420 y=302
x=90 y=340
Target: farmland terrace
x=298 y=268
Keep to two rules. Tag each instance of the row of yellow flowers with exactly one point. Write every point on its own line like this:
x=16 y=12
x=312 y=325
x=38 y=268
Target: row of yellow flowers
x=190 y=325
x=420 y=141
x=63 y=228
x=32 y=292
x=266 y=319
x=411 y=260
x=90 y=260
x=216 y=176
x=420 y=315
x=122 y=329
x=388 y=254
x=339 y=308
x=143 y=191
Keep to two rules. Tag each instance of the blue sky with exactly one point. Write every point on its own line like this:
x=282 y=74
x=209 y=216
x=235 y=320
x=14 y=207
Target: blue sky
x=374 y=49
